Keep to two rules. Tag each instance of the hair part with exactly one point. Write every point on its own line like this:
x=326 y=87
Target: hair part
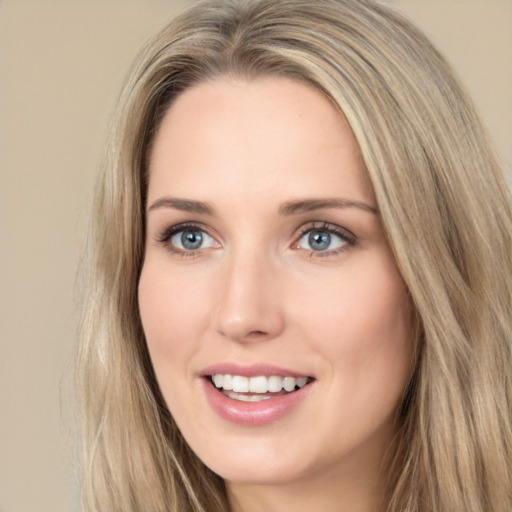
x=445 y=207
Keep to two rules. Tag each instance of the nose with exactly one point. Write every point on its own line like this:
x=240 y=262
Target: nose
x=249 y=307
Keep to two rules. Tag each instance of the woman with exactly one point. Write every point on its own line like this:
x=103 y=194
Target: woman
x=299 y=279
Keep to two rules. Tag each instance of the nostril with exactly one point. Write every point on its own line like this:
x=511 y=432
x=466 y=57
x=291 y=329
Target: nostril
x=257 y=334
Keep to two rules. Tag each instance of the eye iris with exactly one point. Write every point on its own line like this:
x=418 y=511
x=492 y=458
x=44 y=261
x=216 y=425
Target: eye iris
x=319 y=240
x=191 y=239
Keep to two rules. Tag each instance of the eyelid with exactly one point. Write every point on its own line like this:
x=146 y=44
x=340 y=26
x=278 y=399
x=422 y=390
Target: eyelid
x=168 y=231
x=164 y=237
x=329 y=227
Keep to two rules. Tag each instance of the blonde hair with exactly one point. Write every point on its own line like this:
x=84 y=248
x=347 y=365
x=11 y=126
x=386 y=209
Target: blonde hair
x=444 y=204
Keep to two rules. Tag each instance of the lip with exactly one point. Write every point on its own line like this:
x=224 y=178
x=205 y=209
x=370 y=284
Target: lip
x=250 y=370
x=252 y=414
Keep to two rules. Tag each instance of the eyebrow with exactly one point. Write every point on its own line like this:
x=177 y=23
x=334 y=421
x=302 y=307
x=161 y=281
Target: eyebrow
x=288 y=208
x=309 y=205
x=186 y=205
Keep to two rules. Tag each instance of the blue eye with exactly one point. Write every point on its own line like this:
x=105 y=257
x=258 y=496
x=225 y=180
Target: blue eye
x=320 y=240
x=191 y=240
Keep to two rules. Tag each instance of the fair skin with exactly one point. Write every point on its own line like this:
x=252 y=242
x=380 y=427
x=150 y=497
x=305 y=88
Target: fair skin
x=265 y=256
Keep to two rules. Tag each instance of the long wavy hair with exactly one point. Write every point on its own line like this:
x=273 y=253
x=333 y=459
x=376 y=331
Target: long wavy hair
x=445 y=207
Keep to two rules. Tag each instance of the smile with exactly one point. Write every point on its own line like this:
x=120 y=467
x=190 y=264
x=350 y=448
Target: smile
x=255 y=389
x=255 y=394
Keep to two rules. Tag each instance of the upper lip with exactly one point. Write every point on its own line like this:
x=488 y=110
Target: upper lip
x=250 y=370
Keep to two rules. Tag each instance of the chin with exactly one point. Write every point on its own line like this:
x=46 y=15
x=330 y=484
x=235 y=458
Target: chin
x=262 y=462
x=257 y=473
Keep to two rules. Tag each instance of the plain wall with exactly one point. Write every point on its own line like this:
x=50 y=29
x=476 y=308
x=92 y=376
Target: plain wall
x=61 y=67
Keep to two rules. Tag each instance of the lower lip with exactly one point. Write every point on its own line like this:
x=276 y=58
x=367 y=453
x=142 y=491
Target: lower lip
x=253 y=414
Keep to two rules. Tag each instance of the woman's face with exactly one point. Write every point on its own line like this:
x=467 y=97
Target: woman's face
x=266 y=265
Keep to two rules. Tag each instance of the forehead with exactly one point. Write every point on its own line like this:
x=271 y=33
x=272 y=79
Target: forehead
x=255 y=135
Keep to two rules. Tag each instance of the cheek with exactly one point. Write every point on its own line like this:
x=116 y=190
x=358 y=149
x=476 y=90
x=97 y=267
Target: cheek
x=169 y=313
x=361 y=322
x=361 y=325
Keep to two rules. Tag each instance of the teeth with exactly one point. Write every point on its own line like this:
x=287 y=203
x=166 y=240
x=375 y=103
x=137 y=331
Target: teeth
x=227 y=382
x=275 y=384
x=240 y=384
x=260 y=384
x=247 y=398
x=218 y=380
x=289 y=383
x=301 y=381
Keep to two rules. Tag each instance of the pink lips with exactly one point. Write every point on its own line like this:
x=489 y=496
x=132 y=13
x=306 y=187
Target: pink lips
x=250 y=370
x=251 y=413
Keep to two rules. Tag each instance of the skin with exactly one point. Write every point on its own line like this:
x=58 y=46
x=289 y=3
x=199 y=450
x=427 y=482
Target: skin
x=256 y=292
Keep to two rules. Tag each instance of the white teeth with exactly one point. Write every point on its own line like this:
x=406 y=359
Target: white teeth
x=240 y=384
x=218 y=381
x=275 y=384
x=247 y=398
x=260 y=384
x=227 y=382
x=289 y=383
x=301 y=382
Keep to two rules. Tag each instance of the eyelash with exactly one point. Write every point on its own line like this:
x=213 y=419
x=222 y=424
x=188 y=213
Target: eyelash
x=165 y=238
x=345 y=235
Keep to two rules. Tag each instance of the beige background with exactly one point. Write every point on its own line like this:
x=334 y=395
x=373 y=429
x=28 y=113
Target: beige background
x=61 y=65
